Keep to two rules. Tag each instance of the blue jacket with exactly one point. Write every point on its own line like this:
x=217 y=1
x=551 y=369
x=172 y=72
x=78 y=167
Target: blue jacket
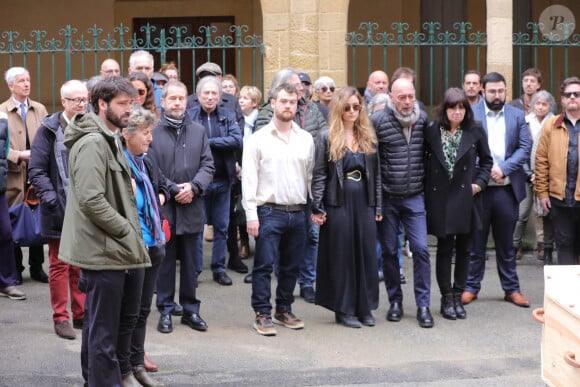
x=228 y=142
x=518 y=145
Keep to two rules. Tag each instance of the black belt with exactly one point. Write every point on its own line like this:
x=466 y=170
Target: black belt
x=286 y=207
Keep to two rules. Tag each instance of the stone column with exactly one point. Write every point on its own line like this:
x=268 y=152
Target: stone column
x=307 y=35
x=499 y=40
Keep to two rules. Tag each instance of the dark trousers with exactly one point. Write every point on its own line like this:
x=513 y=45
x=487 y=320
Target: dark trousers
x=237 y=221
x=156 y=255
x=217 y=211
x=35 y=257
x=112 y=305
x=462 y=243
x=281 y=234
x=186 y=248
x=567 y=229
x=410 y=211
x=500 y=212
x=8 y=273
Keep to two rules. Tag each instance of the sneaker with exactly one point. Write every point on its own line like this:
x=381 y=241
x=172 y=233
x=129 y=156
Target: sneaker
x=288 y=319
x=64 y=330
x=263 y=325
x=208 y=233
x=12 y=293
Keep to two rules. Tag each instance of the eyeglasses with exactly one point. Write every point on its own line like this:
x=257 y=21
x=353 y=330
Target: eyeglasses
x=355 y=108
x=325 y=89
x=570 y=94
x=78 y=101
x=142 y=92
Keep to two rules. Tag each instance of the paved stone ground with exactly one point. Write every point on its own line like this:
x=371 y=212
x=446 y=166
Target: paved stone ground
x=497 y=345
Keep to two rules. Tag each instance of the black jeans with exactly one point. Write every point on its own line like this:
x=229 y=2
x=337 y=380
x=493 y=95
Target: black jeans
x=567 y=227
x=462 y=243
x=150 y=279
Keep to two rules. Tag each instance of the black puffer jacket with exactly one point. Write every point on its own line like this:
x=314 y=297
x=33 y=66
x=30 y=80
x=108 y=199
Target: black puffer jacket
x=402 y=168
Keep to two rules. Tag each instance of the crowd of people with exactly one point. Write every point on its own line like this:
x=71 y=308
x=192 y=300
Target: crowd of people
x=328 y=181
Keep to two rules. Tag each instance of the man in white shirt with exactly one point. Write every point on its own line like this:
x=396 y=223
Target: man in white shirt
x=278 y=162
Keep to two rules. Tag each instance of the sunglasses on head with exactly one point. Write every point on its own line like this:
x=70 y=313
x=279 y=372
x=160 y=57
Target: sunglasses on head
x=325 y=89
x=142 y=91
x=355 y=108
x=575 y=94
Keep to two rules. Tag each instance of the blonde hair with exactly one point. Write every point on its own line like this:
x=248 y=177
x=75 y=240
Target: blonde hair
x=253 y=92
x=363 y=129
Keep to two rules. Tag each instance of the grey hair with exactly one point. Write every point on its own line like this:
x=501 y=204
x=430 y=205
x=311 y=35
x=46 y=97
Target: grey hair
x=208 y=79
x=73 y=84
x=324 y=80
x=280 y=78
x=169 y=84
x=544 y=94
x=139 y=53
x=140 y=118
x=11 y=74
x=93 y=81
x=378 y=99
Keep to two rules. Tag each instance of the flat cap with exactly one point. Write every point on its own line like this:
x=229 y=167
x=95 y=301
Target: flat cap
x=209 y=67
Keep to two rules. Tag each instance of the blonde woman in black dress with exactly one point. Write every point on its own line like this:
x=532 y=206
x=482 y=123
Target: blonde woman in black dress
x=346 y=190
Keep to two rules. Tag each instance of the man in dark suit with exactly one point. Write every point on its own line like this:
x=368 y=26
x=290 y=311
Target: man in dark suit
x=510 y=144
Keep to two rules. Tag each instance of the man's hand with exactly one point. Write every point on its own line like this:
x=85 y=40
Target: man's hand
x=546 y=205
x=253 y=226
x=185 y=195
x=318 y=219
x=24 y=156
x=497 y=174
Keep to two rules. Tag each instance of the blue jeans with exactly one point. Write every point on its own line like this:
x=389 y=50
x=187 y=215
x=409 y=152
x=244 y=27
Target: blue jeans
x=217 y=211
x=410 y=211
x=307 y=274
x=282 y=238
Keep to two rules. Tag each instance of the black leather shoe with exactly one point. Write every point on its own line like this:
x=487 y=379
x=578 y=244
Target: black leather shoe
x=222 y=279
x=308 y=293
x=194 y=321
x=248 y=279
x=347 y=320
x=367 y=321
x=395 y=312
x=165 y=324
x=39 y=275
x=177 y=310
x=424 y=317
x=237 y=265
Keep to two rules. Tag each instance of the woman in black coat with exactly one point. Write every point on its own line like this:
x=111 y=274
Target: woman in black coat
x=458 y=165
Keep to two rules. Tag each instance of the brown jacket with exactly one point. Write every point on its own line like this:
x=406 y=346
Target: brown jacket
x=551 y=160
x=17 y=170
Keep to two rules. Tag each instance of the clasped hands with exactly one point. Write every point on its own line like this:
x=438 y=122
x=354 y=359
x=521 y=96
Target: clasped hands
x=185 y=195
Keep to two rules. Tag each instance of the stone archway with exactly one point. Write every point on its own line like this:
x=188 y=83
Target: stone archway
x=307 y=35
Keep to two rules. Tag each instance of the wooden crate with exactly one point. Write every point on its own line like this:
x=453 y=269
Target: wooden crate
x=561 y=331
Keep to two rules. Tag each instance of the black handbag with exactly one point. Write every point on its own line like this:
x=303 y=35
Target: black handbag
x=25 y=220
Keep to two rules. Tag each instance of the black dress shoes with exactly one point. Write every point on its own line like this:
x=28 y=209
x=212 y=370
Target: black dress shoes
x=165 y=324
x=194 y=321
x=248 y=279
x=177 y=310
x=308 y=293
x=424 y=317
x=367 y=321
x=237 y=265
x=395 y=312
x=222 y=279
x=39 y=275
x=347 y=320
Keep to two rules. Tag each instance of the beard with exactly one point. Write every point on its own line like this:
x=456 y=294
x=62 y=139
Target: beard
x=285 y=116
x=495 y=106
x=120 y=121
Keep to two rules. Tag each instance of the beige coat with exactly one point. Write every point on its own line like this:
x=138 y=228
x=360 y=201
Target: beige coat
x=17 y=170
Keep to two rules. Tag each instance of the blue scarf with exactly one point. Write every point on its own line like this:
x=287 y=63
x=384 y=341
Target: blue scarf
x=152 y=220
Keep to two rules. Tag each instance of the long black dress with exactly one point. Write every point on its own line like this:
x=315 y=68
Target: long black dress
x=347 y=274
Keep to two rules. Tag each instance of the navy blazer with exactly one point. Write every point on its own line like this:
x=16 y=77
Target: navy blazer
x=518 y=145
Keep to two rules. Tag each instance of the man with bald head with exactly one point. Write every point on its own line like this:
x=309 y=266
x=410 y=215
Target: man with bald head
x=400 y=134
x=110 y=68
x=378 y=83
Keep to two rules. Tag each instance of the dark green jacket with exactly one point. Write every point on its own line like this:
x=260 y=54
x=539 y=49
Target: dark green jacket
x=101 y=229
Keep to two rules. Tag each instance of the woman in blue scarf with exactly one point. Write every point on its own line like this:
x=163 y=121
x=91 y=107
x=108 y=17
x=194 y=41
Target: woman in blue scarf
x=150 y=193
